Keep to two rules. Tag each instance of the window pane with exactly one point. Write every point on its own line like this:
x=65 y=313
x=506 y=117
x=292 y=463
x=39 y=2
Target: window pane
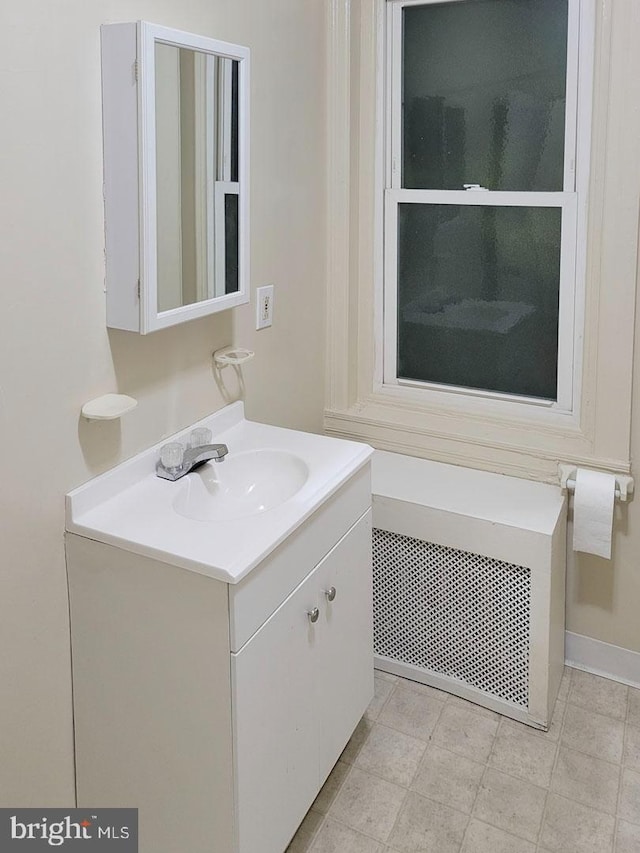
x=478 y=292
x=235 y=72
x=484 y=94
x=231 y=243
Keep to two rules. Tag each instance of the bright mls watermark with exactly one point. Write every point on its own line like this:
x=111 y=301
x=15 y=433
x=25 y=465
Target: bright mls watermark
x=24 y=830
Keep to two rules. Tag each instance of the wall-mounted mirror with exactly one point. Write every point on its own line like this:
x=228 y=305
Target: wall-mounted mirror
x=176 y=175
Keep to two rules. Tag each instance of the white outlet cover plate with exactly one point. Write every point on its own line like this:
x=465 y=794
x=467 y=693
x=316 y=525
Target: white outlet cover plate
x=264 y=318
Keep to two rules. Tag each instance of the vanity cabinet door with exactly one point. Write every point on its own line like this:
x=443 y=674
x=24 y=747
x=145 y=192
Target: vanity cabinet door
x=345 y=661
x=275 y=724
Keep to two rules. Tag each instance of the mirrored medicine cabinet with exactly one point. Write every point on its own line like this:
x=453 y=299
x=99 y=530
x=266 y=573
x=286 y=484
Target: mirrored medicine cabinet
x=176 y=157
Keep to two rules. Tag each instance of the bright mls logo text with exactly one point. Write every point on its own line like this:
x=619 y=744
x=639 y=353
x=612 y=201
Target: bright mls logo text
x=58 y=832
x=109 y=829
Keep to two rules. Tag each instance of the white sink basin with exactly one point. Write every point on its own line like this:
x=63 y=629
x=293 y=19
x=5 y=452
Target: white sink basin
x=224 y=518
x=244 y=484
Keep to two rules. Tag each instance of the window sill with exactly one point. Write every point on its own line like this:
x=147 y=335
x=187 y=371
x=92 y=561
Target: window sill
x=474 y=440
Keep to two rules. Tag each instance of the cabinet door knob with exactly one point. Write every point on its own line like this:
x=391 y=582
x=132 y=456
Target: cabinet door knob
x=313 y=614
x=330 y=593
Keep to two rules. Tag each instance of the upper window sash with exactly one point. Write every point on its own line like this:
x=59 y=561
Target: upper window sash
x=394 y=145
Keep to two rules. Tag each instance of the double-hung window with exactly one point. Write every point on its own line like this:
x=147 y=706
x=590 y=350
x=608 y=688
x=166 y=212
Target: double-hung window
x=481 y=202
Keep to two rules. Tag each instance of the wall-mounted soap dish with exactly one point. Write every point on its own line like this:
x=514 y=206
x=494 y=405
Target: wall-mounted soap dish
x=108 y=407
x=232 y=355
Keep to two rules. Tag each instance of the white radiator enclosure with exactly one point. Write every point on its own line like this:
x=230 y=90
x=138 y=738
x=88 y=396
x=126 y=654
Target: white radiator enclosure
x=469 y=583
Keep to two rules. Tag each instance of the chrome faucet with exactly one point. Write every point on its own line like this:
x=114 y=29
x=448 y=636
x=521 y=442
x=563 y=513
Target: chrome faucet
x=176 y=460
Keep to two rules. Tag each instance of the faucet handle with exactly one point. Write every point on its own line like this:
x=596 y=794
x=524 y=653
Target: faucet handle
x=172 y=455
x=200 y=436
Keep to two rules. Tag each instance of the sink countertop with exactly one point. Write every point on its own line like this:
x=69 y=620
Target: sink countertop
x=132 y=508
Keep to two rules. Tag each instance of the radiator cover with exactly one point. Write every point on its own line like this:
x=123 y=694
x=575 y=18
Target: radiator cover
x=450 y=612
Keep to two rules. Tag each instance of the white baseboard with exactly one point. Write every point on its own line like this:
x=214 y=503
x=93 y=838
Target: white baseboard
x=602 y=659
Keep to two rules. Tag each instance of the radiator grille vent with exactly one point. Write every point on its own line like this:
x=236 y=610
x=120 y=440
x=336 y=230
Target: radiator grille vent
x=453 y=613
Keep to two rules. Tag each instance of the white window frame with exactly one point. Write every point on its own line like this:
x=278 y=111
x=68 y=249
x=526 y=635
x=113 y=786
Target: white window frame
x=572 y=200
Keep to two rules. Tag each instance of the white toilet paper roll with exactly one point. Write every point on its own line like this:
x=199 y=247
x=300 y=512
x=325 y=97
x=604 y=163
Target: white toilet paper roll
x=593 y=512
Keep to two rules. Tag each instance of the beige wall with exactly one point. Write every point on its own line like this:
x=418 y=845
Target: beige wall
x=55 y=352
x=603 y=598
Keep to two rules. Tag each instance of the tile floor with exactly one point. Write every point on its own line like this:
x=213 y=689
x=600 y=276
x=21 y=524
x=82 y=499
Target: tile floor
x=426 y=772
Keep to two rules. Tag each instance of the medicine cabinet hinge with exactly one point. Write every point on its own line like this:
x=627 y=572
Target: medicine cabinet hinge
x=138 y=288
x=136 y=70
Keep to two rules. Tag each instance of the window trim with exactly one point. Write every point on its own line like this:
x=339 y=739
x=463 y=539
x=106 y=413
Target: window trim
x=493 y=436
x=573 y=239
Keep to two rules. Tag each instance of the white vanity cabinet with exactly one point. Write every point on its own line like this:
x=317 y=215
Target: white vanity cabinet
x=218 y=709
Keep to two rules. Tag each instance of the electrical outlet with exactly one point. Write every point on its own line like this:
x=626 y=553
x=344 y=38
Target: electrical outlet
x=264 y=306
